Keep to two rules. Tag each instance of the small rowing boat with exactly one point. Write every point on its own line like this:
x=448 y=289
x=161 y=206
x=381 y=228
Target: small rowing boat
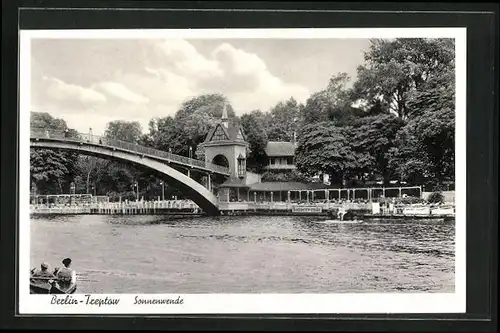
x=44 y=285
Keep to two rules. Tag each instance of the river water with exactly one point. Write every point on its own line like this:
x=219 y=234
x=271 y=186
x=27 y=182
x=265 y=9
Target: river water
x=252 y=254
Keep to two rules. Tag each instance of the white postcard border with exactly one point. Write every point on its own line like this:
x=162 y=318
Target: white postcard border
x=246 y=303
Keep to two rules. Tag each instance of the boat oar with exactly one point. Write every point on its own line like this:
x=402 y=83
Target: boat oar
x=45 y=278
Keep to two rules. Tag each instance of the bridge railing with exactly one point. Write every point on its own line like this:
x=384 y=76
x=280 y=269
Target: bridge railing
x=105 y=141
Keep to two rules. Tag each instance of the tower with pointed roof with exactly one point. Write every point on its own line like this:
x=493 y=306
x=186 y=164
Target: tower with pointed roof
x=226 y=145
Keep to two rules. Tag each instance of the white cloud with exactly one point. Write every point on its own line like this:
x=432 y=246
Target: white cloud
x=242 y=76
x=159 y=85
x=60 y=91
x=238 y=62
x=180 y=57
x=120 y=91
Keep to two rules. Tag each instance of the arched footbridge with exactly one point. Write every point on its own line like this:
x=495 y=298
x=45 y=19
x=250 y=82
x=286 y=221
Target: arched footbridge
x=160 y=162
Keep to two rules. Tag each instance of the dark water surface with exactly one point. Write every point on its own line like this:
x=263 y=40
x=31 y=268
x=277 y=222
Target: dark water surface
x=253 y=254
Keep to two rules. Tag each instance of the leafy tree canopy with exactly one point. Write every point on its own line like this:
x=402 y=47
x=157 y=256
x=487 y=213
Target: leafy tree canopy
x=51 y=171
x=129 y=131
x=283 y=121
x=254 y=128
x=325 y=148
x=394 y=69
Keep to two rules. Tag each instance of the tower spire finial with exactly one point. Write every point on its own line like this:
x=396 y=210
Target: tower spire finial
x=224 y=118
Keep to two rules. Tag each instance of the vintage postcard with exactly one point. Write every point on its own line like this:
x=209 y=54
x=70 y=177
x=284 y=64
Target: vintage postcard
x=242 y=171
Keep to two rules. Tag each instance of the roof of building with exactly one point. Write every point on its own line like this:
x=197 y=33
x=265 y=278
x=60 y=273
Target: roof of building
x=276 y=148
x=235 y=182
x=281 y=186
x=231 y=132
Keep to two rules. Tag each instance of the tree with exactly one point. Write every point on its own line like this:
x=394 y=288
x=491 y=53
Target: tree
x=90 y=170
x=375 y=135
x=283 y=121
x=46 y=121
x=51 y=171
x=395 y=69
x=195 y=127
x=212 y=104
x=332 y=103
x=253 y=126
x=129 y=131
x=425 y=149
x=327 y=149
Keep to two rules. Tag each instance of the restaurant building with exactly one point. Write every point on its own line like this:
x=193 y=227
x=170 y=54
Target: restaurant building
x=226 y=145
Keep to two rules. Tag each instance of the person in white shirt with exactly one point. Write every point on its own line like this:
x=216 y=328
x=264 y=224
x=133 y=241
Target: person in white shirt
x=65 y=275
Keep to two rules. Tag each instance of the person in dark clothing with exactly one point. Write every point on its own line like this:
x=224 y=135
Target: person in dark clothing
x=43 y=272
x=42 y=279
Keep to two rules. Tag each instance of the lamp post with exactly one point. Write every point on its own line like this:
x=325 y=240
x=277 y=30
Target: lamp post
x=136 y=185
x=162 y=191
x=94 y=189
x=190 y=152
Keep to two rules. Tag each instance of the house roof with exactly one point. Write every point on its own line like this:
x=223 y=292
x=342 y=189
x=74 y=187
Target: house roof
x=275 y=148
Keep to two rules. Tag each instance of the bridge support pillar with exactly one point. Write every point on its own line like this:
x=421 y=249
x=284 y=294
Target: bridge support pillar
x=209 y=182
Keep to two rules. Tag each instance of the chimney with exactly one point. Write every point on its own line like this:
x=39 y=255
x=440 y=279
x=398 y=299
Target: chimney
x=224 y=118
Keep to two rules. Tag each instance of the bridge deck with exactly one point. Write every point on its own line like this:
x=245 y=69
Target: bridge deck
x=56 y=135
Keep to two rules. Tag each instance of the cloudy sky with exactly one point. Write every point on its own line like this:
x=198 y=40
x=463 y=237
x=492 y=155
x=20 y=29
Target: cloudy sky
x=89 y=82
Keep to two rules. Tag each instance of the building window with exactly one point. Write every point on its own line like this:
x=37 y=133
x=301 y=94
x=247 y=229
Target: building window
x=241 y=167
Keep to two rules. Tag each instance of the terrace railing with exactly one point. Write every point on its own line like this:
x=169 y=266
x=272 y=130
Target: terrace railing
x=44 y=133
